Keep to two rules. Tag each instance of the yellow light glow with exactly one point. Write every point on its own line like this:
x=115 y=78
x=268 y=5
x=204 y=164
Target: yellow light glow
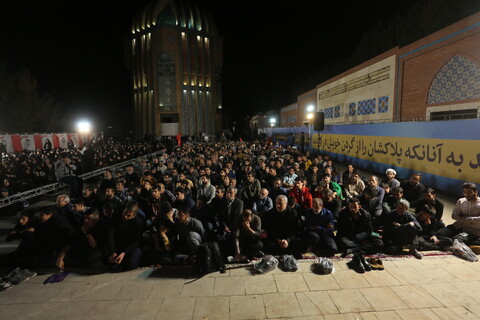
x=310 y=116
x=84 y=126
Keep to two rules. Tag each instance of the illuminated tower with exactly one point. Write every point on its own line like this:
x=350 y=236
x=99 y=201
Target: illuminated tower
x=175 y=56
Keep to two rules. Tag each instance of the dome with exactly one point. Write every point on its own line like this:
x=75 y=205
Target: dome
x=182 y=13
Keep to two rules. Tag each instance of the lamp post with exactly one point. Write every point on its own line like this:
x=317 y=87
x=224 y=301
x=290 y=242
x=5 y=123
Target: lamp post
x=273 y=122
x=310 y=117
x=84 y=127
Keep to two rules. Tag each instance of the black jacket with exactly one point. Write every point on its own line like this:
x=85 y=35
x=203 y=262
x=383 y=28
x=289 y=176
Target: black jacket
x=348 y=227
x=124 y=236
x=280 y=225
x=226 y=216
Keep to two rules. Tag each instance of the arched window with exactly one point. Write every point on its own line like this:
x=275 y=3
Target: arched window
x=457 y=80
x=166 y=83
x=166 y=66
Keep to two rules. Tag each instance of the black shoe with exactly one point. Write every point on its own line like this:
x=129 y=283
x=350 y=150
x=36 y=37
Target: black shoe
x=415 y=253
x=356 y=264
x=365 y=264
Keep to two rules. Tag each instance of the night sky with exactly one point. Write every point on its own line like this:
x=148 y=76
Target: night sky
x=75 y=49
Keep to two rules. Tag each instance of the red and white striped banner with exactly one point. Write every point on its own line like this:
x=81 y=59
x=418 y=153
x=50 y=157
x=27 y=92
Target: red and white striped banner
x=32 y=142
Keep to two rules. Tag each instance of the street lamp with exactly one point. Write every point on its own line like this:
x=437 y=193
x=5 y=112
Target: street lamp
x=273 y=121
x=84 y=126
x=310 y=108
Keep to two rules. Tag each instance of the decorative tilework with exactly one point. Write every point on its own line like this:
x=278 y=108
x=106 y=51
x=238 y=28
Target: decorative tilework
x=328 y=112
x=166 y=93
x=336 y=113
x=458 y=80
x=200 y=111
x=383 y=104
x=208 y=111
x=191 y=112
x=366 y=106
x=185 y=112
x=352 y=109
x=166 y=83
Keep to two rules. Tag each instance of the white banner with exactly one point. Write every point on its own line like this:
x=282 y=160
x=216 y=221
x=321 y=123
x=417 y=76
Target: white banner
x=27 y=142
x=63 y=139
x=7 y=141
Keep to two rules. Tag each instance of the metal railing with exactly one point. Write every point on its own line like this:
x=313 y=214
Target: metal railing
x=55 y=187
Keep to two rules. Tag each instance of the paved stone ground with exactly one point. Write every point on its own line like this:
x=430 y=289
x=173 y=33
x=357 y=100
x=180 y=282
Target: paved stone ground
x=441 y=287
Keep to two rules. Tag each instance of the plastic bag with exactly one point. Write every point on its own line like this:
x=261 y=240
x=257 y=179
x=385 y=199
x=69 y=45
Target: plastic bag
x=322 y=266
x=288 y=263
x=56 y=277
x=461 y=250
x=266 y=264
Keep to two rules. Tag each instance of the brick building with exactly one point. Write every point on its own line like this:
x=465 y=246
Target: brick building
x=434 y=78
x=440 y=74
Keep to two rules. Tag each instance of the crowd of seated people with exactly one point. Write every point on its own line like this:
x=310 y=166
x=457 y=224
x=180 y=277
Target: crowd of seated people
x=22 y=171
x=276 y=201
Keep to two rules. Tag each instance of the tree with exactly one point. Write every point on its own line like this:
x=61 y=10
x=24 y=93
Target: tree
x=24 y=109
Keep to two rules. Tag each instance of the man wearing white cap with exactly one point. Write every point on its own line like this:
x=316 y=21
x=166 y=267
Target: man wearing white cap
x=391 y=181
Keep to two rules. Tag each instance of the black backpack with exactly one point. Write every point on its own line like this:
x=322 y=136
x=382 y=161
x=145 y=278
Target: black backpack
x=209 y=259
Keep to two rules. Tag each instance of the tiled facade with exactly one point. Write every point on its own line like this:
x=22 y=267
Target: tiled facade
x=366 y=106
x=439 y=72
x=176 y=67
x=458 y=80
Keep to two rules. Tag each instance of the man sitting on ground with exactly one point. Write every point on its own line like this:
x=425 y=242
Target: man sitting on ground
x=280 y=228
x=263 y=203
x=319 y=227
x=89 y=244
x=427 y=237
x=190 y=234
x=302 y=196
x=246 y=237
x=467 y=217
x=430 y=198
x=354 y=230
x=413 y=189
x=400 y=229
x=123 y=239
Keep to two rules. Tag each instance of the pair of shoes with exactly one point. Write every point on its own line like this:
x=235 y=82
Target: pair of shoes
x=5 y=284
x=13 y=272
x=22 y=276
x=364 y=262
x=356 y=264
x=415 y=253
x=376 y=264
